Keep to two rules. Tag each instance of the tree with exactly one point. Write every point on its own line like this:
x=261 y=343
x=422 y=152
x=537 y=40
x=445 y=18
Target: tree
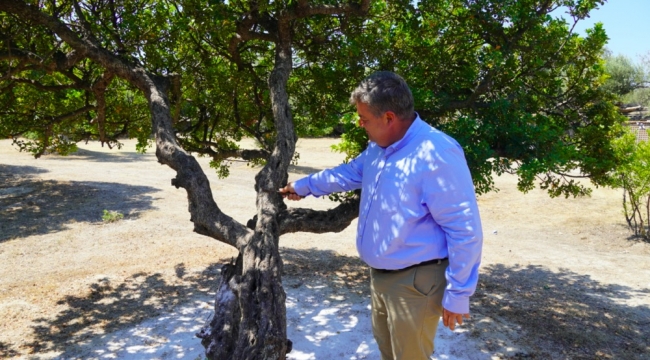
x=109 y=40
x=628 y=80
x=633 y=177
x=624 y=75
x=514 y=85
x=519 y=90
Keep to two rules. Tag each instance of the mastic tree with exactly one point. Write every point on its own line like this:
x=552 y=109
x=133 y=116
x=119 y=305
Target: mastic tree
x=514 y=85
x=518 y=89
x=234 y=63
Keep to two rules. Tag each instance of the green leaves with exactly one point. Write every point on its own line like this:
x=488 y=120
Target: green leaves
x=623 y=75
x=633 y=176
x=511 y=83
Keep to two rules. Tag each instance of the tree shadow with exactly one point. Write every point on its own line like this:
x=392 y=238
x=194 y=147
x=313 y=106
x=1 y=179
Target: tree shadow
x=328 y=298
x=561 y=314
x=6 y=351
x=114 y=156
x=30 y=206
x=552 y=315
x=108 y=307
x=7 y=172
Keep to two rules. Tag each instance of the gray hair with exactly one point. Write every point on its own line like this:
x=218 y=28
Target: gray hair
x=385 y=91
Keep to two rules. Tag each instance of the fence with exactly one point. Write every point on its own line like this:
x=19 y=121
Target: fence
x=640 y=128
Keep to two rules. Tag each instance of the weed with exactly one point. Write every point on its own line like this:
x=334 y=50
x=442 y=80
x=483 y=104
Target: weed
x=112 y=216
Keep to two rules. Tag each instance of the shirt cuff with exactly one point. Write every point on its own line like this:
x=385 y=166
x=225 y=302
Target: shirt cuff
x=456 y=304
x=301 y=187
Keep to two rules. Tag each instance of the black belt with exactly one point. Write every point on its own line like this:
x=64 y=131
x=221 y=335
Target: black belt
x=429 y=262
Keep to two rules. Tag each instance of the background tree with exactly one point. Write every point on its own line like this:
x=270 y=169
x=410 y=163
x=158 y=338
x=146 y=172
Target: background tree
x=624 y=75
x=514 y=85
x=633 y=176
x=628 y=80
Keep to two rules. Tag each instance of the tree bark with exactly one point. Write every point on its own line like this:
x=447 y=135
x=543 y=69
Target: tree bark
x=250 y=313
x=258 y=288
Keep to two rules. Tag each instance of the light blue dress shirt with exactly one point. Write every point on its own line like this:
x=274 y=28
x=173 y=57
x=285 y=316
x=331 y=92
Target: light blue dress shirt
x=417 y=204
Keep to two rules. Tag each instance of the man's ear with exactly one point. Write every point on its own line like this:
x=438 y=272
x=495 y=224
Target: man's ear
x=390 y=117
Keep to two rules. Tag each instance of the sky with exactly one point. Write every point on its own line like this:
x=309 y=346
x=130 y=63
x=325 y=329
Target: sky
x=627 y=24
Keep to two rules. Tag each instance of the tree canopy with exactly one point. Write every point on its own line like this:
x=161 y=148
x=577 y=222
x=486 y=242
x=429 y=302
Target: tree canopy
x=513 y=84
x=505 y=78
x=624 y=75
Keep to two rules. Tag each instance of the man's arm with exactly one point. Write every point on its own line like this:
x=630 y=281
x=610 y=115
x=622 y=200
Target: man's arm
x=288 y=192
x=449 y=319
x=452 y=203
x=345 y=177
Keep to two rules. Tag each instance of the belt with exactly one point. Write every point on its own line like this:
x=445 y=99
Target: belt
x=429 y=262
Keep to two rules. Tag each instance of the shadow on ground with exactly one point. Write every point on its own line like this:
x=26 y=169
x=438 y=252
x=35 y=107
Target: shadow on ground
x=561 y=315
x=550 y=315
x=118 y=157
x=112 y=306
x=31 y=206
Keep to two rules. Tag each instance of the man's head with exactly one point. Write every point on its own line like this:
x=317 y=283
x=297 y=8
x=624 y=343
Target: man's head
x=385 y=106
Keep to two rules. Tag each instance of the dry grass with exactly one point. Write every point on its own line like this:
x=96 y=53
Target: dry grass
x=563 y=279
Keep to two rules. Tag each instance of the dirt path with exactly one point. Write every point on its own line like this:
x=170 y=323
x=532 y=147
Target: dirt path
x=560 y=277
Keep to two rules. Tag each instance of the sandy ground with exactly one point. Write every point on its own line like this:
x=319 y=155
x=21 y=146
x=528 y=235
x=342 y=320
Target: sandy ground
x=561 y=279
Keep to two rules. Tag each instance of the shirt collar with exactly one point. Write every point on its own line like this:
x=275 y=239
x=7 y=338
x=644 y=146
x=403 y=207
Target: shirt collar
x=410 y=133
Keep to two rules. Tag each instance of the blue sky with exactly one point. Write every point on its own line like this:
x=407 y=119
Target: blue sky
x=627 y=24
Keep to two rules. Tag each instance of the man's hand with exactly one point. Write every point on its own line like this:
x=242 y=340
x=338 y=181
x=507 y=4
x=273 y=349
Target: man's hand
x=288 y=192
x=449 y=318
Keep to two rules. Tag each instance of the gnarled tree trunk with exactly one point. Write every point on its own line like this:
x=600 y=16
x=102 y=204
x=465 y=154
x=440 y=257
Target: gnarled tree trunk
x=250 y=313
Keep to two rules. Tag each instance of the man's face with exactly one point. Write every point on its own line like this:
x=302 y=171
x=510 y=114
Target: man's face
x=376 y=127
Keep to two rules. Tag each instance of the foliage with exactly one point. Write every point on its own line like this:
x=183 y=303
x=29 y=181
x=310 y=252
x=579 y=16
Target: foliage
x=517 y=89
x=514 y=85
x=110 y=216
x=634 y=178
x=353 y=137
x=637 y=97
x=511 y=83
x=52 y=102
x=624 y=76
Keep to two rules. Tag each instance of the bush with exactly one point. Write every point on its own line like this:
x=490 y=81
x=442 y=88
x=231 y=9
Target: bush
x=634 y=178
x=112 y=216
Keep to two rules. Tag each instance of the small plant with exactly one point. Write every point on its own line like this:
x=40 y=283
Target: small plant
x=634 y=178
x=112 y=216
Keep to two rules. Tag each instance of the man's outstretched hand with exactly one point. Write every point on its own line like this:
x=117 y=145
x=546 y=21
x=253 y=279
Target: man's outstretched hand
x=288 y=192
x=449 y=319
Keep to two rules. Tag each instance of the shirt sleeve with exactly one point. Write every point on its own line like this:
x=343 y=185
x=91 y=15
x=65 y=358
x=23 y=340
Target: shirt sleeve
x=450 y=197
x=345 y=177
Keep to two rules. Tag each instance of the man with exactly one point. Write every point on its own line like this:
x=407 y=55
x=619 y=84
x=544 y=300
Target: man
x=419 y=227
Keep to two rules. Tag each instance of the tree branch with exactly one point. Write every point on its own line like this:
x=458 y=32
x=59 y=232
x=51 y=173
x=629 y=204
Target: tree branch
x=71 y=114
x=219 y=155
x=307 y=220
x=304 y=10
x=99 y=90
x=207 y=217
x=40 y=86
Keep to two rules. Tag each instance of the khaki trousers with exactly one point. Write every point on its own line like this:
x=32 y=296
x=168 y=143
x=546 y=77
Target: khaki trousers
x=406 y=309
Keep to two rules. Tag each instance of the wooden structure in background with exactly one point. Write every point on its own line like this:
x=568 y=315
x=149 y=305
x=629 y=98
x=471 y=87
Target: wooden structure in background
x=638 y=121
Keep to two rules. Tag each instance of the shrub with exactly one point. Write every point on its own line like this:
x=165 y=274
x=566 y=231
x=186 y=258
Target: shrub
x=112 y=216
x=634 y=178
